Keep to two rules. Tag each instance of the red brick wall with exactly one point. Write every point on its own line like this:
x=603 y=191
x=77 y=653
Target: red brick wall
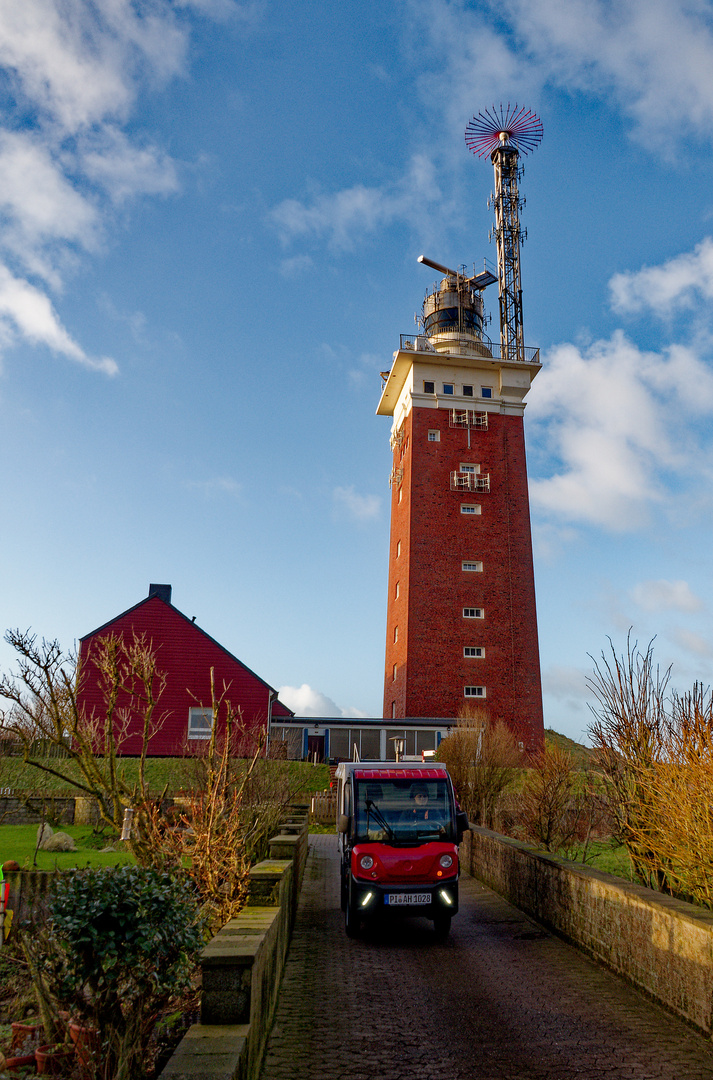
x=433 y=589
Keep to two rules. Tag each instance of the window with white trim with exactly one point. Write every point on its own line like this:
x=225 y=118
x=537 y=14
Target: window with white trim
x=486 y=391
x=470 y=508
x=448 y=387
x=474 y=691
x=473 y=652
x=434 y=436
x=468 y=467
x=473 y=613
x=200 y=722
x=475 y=566
x=467 y=391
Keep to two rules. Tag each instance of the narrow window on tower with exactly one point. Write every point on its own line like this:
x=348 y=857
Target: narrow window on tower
x=429 y=388
x=473 y=613
x=474 y=652
x=396 y=634
x=448 y=388
x=434 y=436
x=477 y=567
x=400 y=494
x=470 y=508
x=467 y=391
x=474 y=691
x=486 y=391
x=393 y=709
x=394 y=673
x=398 y=548
x=396 y=591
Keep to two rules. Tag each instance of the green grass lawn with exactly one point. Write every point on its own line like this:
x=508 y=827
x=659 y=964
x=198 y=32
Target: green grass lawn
x=18 y=842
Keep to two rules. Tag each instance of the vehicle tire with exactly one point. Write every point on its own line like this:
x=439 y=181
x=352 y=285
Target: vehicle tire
x=352 y=922
x=442 y=926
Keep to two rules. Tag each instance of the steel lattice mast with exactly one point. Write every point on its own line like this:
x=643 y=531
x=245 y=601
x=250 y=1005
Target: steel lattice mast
x=503 y=134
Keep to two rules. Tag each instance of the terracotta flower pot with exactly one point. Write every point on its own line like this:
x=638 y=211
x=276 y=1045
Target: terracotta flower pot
x=54 y=1059
x=12 y=1064
x=86 y=1043
x=26 y=1033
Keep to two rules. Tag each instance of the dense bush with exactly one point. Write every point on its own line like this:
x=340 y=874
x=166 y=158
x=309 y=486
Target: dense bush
x=124 y=940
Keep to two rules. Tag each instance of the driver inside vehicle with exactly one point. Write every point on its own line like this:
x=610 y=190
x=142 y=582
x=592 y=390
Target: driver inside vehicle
x=422 y=812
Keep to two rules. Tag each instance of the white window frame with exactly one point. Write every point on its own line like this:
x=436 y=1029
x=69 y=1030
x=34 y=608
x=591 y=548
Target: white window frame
x=474 y=691
x=449 y=389
x=486 y=392
x=434 y=435
x=196 y=712
x=473 y=613
x=473 y=652
x=469 y=467
x=470 y=508
x=467 y=390
x=472 y=566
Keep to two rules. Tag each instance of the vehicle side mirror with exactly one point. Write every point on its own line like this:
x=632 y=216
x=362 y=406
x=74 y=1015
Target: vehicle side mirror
x=462 y=824
x=344 y=823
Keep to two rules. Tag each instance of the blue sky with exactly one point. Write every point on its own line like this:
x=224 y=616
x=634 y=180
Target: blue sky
x=210 y=214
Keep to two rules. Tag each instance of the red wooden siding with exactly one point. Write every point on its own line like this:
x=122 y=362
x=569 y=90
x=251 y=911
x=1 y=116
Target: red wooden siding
x=186 y=654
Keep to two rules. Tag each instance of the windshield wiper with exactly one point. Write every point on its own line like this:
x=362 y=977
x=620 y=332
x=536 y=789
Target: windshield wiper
x=372 y=808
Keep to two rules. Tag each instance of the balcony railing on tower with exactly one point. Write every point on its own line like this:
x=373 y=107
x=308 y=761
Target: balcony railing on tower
x=468 y=481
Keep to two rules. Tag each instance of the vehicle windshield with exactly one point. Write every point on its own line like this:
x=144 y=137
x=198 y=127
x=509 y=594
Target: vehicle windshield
x=403 y=811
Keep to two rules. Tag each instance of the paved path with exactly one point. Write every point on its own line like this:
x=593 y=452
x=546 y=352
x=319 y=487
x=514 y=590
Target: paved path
x=500 y=1000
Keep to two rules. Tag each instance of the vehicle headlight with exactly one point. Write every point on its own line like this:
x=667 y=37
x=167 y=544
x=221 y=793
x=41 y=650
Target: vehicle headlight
x=366 y=862
x=445 y=861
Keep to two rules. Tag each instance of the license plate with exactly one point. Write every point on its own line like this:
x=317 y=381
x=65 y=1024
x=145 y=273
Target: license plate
x=395 y=899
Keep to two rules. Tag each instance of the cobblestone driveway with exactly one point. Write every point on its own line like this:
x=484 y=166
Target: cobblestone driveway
x=499 y=1000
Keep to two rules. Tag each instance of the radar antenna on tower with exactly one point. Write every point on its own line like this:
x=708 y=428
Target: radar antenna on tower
x=503 y=134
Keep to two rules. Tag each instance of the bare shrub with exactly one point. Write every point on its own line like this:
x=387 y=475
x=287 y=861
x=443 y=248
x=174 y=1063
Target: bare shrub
x=482 y=757
x=560 y=804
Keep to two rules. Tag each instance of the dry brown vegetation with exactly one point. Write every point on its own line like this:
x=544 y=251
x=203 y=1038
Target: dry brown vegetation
x=483 y=759
x=656 y=755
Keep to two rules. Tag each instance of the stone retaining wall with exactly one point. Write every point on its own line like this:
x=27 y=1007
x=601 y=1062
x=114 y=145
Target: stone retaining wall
x=661 y=945
x=242 y=968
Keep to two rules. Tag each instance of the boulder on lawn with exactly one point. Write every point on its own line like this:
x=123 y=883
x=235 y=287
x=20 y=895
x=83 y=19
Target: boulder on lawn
x=44 y=831
x=59 y=841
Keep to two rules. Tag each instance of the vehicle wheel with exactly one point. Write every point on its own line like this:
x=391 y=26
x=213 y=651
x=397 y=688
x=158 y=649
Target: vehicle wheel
x=352 y=922
x=442 y=926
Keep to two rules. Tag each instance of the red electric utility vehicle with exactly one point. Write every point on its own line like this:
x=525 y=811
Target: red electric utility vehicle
x=399 y=830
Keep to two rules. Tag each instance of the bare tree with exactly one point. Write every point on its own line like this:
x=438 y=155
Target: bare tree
x=44 y=710
x=482 y=757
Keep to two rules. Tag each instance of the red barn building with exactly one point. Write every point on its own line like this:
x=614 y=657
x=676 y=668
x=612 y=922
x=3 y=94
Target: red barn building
x=186 y=654
x=461 y=621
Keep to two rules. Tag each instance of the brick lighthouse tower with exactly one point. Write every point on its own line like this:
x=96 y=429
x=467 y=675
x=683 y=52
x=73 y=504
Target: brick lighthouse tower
x=461 y=621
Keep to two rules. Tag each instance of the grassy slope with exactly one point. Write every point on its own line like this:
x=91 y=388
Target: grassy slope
x=175 y=774
x=581 y=754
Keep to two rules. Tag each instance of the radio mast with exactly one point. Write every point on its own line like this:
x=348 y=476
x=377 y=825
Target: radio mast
x=504 y=134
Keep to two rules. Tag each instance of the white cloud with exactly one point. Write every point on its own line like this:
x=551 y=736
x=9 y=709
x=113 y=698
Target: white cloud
x=617 y=423
x=691 y=642
x=659 y=289
x=359 y=507
x=28 y=312
x=665 y=596
x=654 y=57
x=350 y=214
x=305 y=701
x=565 y=683
x=217 y=485
x=75 y=68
